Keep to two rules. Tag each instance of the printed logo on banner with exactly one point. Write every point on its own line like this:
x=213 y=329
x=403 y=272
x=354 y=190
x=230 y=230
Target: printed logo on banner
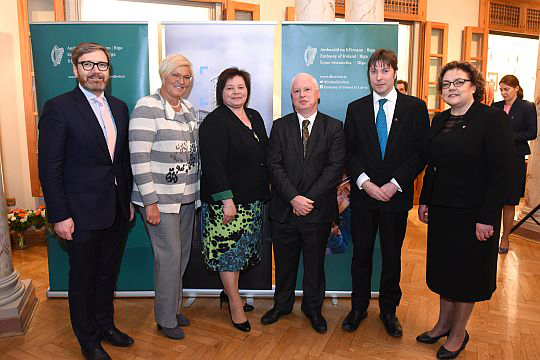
x=56 y=55
x=309 y=55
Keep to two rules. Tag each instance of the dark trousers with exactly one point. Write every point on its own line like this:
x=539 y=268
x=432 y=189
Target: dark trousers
x=94 y=257
x=391 y=226
x=289 y=240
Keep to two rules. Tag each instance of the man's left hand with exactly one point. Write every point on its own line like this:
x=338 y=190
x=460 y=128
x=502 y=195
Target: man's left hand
x=131 y=211
x=389 y=189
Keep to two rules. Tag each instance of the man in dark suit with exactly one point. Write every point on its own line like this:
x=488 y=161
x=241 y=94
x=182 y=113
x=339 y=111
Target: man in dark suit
x=86 y=179
x=383 y=134
x=306 y=153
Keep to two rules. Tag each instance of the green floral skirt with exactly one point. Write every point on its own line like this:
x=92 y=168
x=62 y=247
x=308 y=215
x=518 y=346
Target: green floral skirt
x=237 y=245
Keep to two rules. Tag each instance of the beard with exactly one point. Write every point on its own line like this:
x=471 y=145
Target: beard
x=94 y=82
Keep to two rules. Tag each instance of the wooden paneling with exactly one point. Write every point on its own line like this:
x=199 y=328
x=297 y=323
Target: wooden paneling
x=233 y=6
x=469 y=36
x=438 y=56
x=520 y=17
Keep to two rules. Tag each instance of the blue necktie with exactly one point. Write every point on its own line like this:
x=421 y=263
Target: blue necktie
x=381 y=126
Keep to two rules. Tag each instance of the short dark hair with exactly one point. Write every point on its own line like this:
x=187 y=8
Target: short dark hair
x=386 y=56
x=476 y=77
x=228 y=74
x=405 y=84
x=512 y=81
x=86 y=48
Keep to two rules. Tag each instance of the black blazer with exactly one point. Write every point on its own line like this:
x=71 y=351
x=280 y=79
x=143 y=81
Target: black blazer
x=476 y=171
x=75 y=169
x=401 y=161
x=232 y=159
x=316 y=176
x=524 y=123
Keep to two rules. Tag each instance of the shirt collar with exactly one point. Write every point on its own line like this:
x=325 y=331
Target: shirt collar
x=391 y=96
x=310 y=118
x=90 y=95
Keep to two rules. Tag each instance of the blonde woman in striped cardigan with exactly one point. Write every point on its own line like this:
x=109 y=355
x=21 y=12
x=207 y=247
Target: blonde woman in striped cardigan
x=163 y=136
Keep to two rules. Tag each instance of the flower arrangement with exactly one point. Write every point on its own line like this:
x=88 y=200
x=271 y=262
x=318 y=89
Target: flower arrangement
x=20 y=220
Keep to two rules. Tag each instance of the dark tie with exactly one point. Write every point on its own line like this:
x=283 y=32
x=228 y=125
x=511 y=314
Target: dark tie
x=381 y=126
x=305 y=134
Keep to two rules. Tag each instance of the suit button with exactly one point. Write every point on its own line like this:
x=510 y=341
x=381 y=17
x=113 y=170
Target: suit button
x=435 y=168
x=262 y=164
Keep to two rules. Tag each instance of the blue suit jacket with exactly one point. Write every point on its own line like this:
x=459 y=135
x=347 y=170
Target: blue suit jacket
x=75 y=169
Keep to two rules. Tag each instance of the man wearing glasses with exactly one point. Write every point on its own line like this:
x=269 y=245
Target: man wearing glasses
x=383 y=133
x=86 y=178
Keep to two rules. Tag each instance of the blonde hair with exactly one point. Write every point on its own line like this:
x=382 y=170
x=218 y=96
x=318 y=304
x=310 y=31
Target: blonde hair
x=171 y=62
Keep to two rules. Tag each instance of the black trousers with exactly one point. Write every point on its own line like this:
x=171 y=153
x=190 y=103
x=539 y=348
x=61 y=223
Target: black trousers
x=364 y=226
x=289 y=240
x=94 y=257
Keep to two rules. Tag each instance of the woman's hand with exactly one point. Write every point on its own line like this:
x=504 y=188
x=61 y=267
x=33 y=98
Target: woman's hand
x=423 y=213
x=229 y=211
x=152 y=214
x=483 y=231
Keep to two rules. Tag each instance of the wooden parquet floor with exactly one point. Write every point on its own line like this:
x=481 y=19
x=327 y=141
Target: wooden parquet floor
x=506 y=327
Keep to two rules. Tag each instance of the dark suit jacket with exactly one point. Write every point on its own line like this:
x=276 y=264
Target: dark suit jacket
x=476 y=171
x=232 y=159
x=316 y=176
x=401 y=161
x=75 y=168
x=524 y=123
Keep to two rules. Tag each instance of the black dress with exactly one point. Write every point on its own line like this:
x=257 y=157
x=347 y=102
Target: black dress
x=523 y=120
x=469 y=162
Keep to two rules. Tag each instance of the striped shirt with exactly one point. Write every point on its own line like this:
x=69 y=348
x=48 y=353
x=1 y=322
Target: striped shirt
x=163 y=146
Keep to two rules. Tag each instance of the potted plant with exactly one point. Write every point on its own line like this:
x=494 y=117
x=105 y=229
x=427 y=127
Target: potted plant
x=18 y=223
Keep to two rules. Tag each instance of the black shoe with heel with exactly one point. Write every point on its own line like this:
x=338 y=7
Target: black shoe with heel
x=446 y=354
x=245 y=326
x=426 y=339
x=224 y=298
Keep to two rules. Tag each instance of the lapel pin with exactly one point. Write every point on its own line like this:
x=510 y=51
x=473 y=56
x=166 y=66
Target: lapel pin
x=464 y=126
x=395 y=119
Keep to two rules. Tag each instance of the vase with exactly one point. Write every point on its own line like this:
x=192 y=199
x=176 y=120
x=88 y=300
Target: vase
x=18 y=240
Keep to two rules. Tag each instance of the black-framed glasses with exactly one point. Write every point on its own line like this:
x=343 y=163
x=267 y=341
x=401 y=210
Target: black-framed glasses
x=178 y=77
x=89 y=65
x=457 y=83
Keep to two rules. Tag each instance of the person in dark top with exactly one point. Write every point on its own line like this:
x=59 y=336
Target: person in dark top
x=469 y=151
x=234 y=186
x=523 y=121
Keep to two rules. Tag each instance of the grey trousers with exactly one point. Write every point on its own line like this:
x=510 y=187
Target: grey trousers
x=171 y=242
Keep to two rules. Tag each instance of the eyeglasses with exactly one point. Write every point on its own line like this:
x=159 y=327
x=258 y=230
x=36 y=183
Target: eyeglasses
x=178 y=77
x=89 y=65
x=457 y=83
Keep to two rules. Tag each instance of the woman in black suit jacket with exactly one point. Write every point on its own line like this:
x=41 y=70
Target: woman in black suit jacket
x=469 y=151
x=523 y=121
x=234 y=186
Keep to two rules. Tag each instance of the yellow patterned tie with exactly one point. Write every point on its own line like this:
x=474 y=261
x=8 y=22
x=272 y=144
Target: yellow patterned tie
x=305 y=134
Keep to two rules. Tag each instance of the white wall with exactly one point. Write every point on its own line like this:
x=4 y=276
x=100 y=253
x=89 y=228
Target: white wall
x=457 y=14
x=13 y=147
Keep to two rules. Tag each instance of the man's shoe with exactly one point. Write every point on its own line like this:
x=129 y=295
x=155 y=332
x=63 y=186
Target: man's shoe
x=317 y=322
x=97 y=353
x=272 y=316
x=352 y=321
x=392 y=325
x=116 y=337
x=175 y=333
x=182 y=320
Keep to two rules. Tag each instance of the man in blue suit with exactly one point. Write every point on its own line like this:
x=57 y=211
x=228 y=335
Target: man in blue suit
x=86 y=178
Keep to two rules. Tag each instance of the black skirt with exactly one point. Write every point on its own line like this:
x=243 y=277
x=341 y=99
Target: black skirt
x=516 y=187
x=459 y=266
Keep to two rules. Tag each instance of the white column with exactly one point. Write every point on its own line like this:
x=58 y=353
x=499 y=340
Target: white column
x=17 y=298
x=532 y=185
x=364 y=10
x=315 y=10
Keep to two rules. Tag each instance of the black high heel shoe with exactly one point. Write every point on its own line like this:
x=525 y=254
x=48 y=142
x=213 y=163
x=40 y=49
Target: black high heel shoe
x=426 y=339
x=446 y=354
x=224 y=298
x=245 y=326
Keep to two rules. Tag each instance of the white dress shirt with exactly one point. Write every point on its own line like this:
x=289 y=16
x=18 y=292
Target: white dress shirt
x=388 y=108
x=311 y=121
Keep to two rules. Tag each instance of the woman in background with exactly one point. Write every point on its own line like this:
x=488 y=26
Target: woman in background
x=234 y=186
x=523 y=121
x=164 y=159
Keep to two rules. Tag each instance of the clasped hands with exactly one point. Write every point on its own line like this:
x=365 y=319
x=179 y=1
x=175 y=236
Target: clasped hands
x=383 y=193
x=301 y=205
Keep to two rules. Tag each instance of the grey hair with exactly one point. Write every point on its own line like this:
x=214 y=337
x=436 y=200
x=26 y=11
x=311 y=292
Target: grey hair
x=308 y=76
x=171 y=62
